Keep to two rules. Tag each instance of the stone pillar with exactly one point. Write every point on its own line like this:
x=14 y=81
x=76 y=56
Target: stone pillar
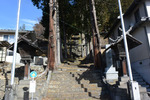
x=124 y=68
x=110 y=70
x=26 y=71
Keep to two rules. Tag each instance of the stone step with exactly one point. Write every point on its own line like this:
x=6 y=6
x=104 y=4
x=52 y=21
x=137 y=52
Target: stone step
x=66 y=95
x=136 y=75
x=124 y=79
x=59 y=77
x=122 y=83
x=144 y=96
x=64 y=82
x=146 y=86
x=123 y=86
x=142 y=89
x=75 y=85
x=139 y=80
x=21 y=94
x=65 y=86
x=86 y=76
x=24 y=82
x=95 y=81
x=148 y=89
x=90 y=85
x=72 y=98
x=142 y=83
x=82 y=81
x=94 y=89
x=65 y=90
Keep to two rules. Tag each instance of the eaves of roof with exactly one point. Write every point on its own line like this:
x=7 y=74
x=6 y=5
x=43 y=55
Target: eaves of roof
x=28 y=42
x=4 y=44
x=130 y=39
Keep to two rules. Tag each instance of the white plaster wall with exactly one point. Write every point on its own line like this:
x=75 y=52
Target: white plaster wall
x=1 y=38
x=142 y=51
x=147 y=3
x=148 y=33
x=127 y=22
x=143 y=68
x=140 y=56
x=142 y=10
x=10 y=58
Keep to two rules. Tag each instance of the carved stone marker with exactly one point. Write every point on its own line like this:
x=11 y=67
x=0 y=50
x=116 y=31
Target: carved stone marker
x=110 y=70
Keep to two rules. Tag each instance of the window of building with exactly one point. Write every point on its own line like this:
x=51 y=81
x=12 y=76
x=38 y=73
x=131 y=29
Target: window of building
x=5 y=37
x=9 y=53
x=137 y=16
x=9 y=38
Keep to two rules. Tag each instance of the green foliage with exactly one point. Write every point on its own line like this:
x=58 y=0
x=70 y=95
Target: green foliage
x=108 y=11
x=44 y=5
x=76 y=18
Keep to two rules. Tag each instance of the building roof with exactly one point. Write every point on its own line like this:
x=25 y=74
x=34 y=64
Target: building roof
x=12 y=31
x=129 y=11
x=30 y=39
x=23 y=40
x=4 y=44
x=130 y=39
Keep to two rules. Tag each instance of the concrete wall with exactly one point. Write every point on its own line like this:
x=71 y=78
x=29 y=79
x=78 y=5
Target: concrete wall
x=1 y=37
x=148 y=33
x=147 y=4
x=140 y=56
x=143 y=68
x=142 y=51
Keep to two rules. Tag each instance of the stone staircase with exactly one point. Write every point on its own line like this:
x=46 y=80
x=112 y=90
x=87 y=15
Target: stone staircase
x=121 y=92
x=22 y=89
x=144 y=87
x=73 y=83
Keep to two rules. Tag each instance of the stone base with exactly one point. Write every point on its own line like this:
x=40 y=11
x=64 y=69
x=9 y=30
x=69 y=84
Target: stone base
x=112 y=76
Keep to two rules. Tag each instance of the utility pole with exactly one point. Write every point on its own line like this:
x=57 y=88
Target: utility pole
x=15 y=46
x=96 y=36
x=133 y=86
x=52 y=39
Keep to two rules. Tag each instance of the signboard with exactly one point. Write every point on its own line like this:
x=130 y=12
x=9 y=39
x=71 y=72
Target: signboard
x=32 y=87
x=33 y=74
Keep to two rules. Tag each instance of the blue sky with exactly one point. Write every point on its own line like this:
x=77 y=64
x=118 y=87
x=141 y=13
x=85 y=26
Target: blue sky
x=29 y=14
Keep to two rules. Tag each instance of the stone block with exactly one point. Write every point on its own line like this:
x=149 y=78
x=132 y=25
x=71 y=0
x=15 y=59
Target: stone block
x=38 y=61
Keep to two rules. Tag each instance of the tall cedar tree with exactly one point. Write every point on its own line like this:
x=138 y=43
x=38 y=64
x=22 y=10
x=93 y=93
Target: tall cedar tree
x=76 y=18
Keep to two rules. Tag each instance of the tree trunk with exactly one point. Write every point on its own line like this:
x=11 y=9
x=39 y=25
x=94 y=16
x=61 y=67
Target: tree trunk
x=52 y=40
x=65 y=46
x=96 y=36
x=58 y=61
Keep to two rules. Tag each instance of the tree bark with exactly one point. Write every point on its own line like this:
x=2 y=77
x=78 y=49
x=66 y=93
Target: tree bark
x=56 y=21
x=65 y=45
x=96 y=36
x=52 y=40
